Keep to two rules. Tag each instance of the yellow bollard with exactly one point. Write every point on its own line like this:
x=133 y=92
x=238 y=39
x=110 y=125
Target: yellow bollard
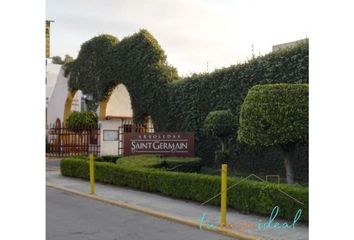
x=92 y=175
x=223 y=194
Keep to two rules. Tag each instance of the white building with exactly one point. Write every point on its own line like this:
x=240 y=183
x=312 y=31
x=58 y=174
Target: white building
x=57 y=92
x=115 y=112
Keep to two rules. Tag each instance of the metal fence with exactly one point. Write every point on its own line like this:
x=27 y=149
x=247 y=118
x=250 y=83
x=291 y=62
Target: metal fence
x=61 y=142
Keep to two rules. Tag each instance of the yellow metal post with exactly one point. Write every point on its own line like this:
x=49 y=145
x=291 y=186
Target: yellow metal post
x=223 y=194
x=92 y=175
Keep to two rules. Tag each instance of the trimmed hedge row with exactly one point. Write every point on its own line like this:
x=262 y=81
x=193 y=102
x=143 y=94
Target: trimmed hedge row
x=248 y=196
x=111 y=159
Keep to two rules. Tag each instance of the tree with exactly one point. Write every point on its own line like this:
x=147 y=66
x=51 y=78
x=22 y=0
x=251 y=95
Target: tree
x=81 y=121
x=276 y=115
x=68 y=59
x=57 y=60
x=221 y=124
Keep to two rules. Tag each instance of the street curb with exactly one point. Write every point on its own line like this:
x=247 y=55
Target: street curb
x=52 y=170
x=158 y=214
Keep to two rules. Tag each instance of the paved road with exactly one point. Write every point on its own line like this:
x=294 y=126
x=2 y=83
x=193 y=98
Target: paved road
x=72 y=217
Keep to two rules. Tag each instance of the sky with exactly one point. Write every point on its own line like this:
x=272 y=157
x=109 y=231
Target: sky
x=197 y=35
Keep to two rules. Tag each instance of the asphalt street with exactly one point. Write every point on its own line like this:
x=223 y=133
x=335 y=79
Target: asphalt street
x=72 y=217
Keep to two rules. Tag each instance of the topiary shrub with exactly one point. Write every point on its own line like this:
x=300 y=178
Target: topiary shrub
x=276 y=115
x=81 y=121
x=221 y=124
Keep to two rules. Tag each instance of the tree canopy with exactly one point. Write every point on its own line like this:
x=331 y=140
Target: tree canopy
x=80 y=121
x=275 y=114
x=221 y=124
x=58 y=59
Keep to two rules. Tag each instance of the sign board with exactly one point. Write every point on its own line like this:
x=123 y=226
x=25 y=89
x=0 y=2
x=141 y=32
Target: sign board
x=165 y=143
x=110 y=135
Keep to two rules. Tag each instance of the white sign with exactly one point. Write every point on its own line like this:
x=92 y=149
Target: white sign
x=110 y=135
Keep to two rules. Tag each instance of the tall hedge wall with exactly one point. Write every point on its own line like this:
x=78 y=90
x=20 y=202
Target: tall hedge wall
x=192 y=98
x=177 y=104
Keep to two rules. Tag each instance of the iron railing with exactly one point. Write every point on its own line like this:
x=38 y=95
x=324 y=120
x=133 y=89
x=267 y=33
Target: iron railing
x=62 y=142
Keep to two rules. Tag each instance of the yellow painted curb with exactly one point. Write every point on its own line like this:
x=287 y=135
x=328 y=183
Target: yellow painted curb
x=158 y=214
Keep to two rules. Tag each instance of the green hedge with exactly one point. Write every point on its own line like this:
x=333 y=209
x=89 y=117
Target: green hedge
x=182 y=104
x=192 y=98
x=143 y=174
x=178 y=165
x=111 y=159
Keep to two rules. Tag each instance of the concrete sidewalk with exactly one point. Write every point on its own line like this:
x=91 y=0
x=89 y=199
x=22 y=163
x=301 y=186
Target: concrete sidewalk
x=181 y=209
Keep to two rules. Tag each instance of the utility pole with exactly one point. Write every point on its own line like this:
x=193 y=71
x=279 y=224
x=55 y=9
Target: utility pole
x=47 y=38
x=47 y=55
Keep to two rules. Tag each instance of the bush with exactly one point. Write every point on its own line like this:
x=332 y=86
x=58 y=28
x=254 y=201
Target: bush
x=111 y=159
x=80 y=121
x=221 y=124
x=276 y=115
x=181 y=164
x=141 y=172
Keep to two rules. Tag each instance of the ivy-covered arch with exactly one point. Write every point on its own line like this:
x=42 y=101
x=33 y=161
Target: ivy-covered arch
x=137 y=62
